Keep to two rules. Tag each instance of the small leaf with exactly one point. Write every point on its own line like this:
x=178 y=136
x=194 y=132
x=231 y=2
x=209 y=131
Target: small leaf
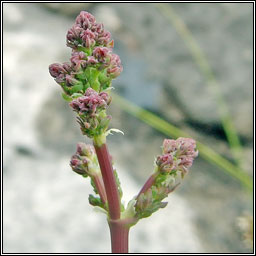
x=76 y=88
x=95 y=201
x=76 y=95
x=66 y=97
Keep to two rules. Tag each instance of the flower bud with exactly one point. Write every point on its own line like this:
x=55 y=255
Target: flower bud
x=91 y=60
x=90 y=103
x=59 y=71
x=88 y=37
x=79 y=165
x=183 y=150
x=165 y=163
x=74 y=36
x=115 y=67
x=84 y=161
x=78 y=59
x=169 y=146
x=85 y=20
x=71 y=81
x=102 y=54
x=104 y=38
x=85 y=150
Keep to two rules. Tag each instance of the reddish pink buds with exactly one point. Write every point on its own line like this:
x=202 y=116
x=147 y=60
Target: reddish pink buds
x=91 y=102
x=80 y=161
x=87 y=33
x=59 y=71
x=102 y=54
x=78 y=60
x=165 y=163
x=115 y=67
x=85 y=20
x=177 y=155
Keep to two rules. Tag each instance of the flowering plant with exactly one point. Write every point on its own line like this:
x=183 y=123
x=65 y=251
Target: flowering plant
x=86 y=84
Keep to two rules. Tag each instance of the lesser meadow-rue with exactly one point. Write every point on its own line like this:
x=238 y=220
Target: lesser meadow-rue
x=86 y=84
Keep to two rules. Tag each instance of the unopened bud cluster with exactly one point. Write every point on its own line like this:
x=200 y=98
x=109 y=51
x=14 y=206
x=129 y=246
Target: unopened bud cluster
x=89 y=73
x=177 y=156
x=84 y=161
x=91 y=112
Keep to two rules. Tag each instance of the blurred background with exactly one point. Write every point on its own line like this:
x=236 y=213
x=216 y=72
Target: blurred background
x=190 y=65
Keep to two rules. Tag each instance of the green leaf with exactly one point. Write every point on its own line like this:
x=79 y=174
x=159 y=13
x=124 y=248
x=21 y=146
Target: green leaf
x=66 y=97
x=77 y=88
x=76 y=95
x=94 y=187
x=95 y=201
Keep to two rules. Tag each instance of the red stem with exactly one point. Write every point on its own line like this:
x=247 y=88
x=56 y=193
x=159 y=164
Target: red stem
x=100 y=188
x=119 y=231
x=109 y=181
x=149 y=183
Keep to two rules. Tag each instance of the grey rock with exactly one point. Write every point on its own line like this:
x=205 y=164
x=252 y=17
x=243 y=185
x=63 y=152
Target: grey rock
x=223 y=33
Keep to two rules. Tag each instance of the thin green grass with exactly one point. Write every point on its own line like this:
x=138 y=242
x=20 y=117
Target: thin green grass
x=201 y=60
x=172 y=131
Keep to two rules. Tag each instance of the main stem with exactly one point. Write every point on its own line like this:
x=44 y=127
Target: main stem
x=109 y=181
x=119 y=231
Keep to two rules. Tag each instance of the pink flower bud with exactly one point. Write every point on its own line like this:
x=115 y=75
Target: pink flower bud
x=78 y=59
x=165 y=163
x=102 y=54
x=78 y=165
x=90 y=103
x=56 y=69
x=169 y=146
x=87 y=33
x=91 y=60
x=183 y=150
x=97 y=28
x=74 y=36
x=85 y=149
x=88 y=37
x=85 y=20
x=71 y=80
x=115 y=66
x=59 y=72
x=104 y=38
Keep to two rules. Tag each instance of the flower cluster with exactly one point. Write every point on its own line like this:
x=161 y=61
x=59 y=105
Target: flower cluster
x=89 y=73
x=87 y=33
x=178 y=155
x=92 y=63
x=91 y=112
x=84 y=161
x=91 y=102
